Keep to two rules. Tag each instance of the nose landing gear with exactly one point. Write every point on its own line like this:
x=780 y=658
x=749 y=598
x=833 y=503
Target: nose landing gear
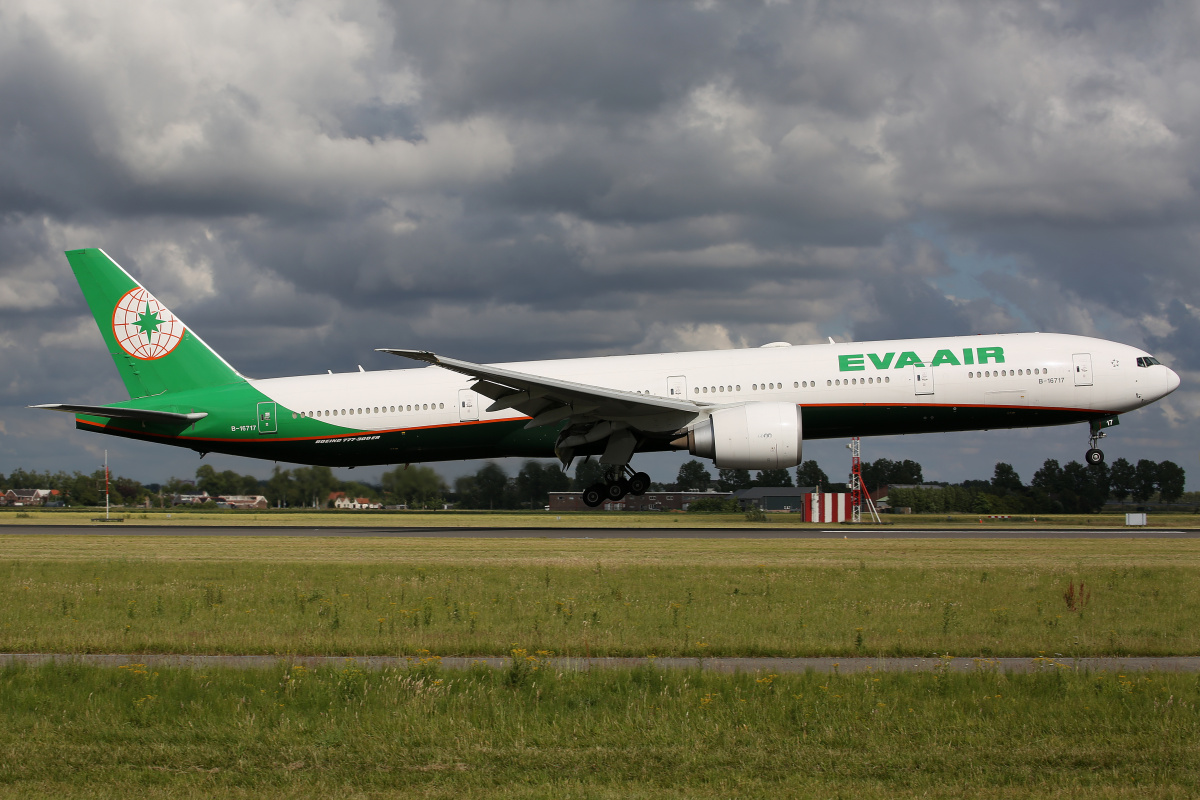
x=617 y=483
x=1095 y=455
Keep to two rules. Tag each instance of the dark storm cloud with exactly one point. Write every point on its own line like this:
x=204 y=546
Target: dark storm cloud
x=527 y=179
x=1184 y=341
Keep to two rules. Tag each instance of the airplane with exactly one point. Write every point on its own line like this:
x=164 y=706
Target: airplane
x=742 y=408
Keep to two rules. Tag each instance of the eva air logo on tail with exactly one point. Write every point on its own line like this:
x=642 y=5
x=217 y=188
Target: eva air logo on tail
x=144 y=327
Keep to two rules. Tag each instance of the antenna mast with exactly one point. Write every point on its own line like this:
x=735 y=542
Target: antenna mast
x=855 y=481
x=857 y=492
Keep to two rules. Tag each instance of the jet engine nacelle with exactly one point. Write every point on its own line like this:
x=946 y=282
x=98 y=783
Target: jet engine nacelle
x=753 y=436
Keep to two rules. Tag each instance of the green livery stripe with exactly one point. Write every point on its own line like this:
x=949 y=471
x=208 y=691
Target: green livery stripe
x=464 y=440
x=154 y=351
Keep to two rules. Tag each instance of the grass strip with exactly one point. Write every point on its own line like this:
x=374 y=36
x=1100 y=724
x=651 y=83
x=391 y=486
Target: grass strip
x=526 y=731
x=695 y=598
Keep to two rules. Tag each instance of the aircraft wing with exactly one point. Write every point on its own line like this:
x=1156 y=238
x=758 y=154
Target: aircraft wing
x=550 y=400
x=142 y=414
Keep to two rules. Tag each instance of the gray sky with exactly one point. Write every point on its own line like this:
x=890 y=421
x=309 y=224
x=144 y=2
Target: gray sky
x=303 y=182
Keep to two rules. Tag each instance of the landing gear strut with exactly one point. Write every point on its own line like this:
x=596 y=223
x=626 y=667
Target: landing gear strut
x=1094 y=455
x=619 y=482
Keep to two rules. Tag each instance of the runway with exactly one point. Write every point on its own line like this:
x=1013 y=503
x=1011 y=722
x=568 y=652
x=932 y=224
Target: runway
x=725 y=665
x=982 y=532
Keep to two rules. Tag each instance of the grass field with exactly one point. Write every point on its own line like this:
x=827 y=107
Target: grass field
x=530 y=733
x=328 y=596
x=546 y=519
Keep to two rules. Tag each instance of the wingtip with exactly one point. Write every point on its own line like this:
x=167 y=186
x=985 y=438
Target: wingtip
x=416 y=355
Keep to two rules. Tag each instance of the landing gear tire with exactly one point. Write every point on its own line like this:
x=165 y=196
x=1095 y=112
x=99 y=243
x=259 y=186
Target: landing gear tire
x=593 y=495
x=1094 y=456
x=616 y=490
x=639 y=483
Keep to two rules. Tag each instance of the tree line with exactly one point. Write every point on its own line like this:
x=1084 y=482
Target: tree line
x=301 y=487
x=1071 y=489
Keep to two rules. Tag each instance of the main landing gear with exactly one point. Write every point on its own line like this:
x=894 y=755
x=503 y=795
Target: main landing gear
x=619 y=482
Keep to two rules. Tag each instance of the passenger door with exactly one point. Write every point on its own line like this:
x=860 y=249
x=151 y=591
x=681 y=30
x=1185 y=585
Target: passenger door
x=677 y=386
x=922 y=380
x=266 y=418
x=1083 y=368
x=468 y=408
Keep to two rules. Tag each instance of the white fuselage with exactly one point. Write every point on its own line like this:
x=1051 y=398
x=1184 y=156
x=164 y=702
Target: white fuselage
x=1037 y=370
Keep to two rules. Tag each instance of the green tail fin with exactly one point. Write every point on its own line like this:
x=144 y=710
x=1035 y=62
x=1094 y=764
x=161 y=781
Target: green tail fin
x=153 y=350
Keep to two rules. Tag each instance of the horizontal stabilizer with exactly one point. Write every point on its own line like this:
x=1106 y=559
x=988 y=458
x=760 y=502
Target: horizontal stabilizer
x=142 y=414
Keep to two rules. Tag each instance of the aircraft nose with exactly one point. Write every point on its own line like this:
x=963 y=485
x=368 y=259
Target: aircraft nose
x=1170 y=381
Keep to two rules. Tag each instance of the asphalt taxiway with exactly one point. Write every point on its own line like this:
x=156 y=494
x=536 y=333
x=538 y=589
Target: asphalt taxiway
x=886 y=532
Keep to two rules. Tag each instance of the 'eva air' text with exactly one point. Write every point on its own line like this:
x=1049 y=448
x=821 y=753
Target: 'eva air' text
x=970 y=355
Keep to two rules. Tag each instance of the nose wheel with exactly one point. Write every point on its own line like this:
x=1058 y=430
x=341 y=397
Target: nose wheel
x=615 y=486
x=1095 y=455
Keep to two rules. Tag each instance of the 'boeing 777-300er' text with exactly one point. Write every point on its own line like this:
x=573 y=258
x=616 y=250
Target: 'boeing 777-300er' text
x=747 y=409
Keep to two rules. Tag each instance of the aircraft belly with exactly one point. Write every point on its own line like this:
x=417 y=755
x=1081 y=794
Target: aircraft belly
x=828 y=422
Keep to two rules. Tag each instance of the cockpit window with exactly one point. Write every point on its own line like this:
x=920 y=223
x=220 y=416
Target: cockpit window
x=1147 y=361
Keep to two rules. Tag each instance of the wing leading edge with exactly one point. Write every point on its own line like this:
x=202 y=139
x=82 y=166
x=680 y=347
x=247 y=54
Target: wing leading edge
x=592 y=413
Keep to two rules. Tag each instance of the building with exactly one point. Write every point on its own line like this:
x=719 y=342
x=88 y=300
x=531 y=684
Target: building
x=341 y=500
x=28 y=497
x=774 y=498
x=242 y=501
x=191 y=499
x=650 y=501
